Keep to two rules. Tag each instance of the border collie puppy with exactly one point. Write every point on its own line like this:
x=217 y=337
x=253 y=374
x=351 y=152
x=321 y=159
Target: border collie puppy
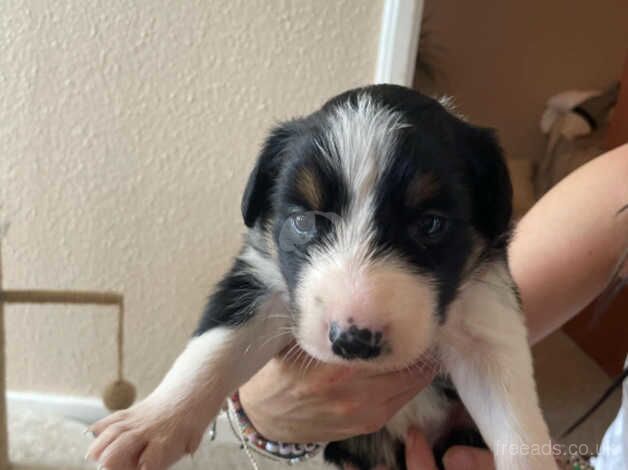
x=377 y=235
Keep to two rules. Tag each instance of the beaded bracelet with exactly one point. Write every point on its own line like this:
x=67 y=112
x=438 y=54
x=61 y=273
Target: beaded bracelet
x=251 y=439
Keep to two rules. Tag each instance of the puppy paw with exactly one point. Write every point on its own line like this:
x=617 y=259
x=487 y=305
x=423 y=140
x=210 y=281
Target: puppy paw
x=149 y=436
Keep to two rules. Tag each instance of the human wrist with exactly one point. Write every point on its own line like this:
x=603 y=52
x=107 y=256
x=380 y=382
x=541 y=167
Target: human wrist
x=249 y=400
x=253 y=439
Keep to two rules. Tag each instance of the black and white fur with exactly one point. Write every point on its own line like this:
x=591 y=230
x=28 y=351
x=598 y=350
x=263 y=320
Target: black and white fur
x=377 y=235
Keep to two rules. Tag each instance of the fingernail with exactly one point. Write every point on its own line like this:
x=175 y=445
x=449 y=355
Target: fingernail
x=89 y=432
x=460 y=459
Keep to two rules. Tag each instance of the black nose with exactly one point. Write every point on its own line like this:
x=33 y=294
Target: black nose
x=354 y=343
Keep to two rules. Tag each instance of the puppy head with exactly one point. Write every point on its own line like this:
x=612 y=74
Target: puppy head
x=377 y=205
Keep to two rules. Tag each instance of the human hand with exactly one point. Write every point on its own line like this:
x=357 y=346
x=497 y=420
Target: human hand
x=304 y=401
x=419 y=456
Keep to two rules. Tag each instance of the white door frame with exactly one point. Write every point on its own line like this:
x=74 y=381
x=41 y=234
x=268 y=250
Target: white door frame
x=399 y=41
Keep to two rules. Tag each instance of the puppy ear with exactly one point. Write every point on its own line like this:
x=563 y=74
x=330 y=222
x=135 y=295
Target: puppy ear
x=256 y=200
x=492 y=189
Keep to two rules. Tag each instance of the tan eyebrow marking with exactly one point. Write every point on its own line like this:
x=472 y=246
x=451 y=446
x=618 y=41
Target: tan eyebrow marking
x=420 y=188
x=309 y=186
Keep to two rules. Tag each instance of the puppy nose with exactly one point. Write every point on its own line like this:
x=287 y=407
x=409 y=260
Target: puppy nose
x=354 y=342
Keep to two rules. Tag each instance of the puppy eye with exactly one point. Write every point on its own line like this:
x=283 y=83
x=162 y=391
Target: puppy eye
x=304 y=223
x=431 y=227
x=300 y=228
x=303 y=227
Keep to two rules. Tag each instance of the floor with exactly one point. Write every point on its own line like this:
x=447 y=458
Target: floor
x=40 y=442
x=568 y=383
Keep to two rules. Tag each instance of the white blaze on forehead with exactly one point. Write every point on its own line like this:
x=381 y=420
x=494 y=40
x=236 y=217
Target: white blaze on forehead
x=360 y=140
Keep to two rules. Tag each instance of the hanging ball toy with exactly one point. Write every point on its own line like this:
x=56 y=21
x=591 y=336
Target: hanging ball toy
x=119 y=395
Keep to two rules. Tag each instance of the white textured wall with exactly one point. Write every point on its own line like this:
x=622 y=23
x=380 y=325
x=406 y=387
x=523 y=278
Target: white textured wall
x=126 y=132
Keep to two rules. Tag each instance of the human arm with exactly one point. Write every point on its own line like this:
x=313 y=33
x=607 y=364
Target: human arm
x=567 y=246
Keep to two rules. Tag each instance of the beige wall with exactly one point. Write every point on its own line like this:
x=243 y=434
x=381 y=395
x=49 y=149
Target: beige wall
x=501 y=60
x=126 y=132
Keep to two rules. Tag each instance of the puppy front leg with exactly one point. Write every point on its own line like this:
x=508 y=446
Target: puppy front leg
x=485 y=349
x=239 y=333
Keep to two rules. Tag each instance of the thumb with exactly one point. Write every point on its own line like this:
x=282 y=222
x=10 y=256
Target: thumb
x=468 y=458
x=418 y=452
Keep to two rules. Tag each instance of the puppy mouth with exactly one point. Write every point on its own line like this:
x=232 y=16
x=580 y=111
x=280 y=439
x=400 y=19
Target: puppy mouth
x=386 y=361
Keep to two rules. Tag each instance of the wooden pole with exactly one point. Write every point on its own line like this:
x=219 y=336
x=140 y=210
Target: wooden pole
x=4 y=433
x=60 y=297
